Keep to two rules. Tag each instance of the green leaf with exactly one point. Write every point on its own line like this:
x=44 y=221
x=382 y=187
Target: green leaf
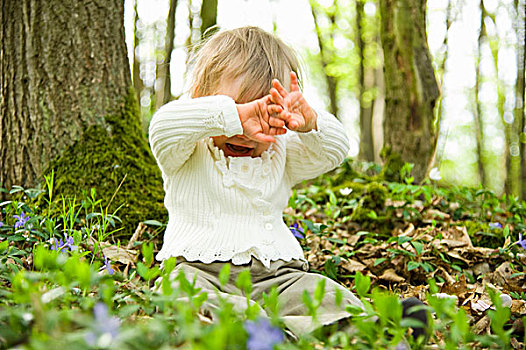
x=244 y=282
x=403 y=239
x=362 y=284
x=153 y=223
x=418 y=247
x=127 y=310
x=330 y=269
x=319 y=292
x=224 y=275
x=3 y=246
x=412 y=265
x=379 y=261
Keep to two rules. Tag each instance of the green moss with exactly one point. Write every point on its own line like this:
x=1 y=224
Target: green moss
x=374 y=196
x=393 y=163
x=361 y=214
x=105 y=156
x=484 y=236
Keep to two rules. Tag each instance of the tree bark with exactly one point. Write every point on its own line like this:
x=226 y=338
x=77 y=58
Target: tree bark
x=208 y=17
x=136 y=68
x=519 y=92
x=324 y=54
x=411 y=88
x=366 y=109
x=67 y=103
x=479 y=124
x=164 y=94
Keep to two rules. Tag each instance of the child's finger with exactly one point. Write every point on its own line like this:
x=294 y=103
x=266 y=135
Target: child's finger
x=277 y=131
x=276 y=97
x=274 y=109
x=294 y=86
x=277 y=85
x=264 y=138
x=276 y=122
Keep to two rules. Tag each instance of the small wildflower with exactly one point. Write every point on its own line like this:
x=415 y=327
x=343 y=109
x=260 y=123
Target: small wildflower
x=69 y=243
x=521 y=241
x=495 y=225
x=22 y=219
x=297 y=230
x=105 y=328
x=262 y=335
x=1 y=224
x=434 y=174
x=345 y=191
x=107 y=266
x=58 y=245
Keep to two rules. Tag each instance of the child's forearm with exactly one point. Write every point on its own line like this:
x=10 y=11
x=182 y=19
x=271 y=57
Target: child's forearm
x=177 y=126
x=319 y=151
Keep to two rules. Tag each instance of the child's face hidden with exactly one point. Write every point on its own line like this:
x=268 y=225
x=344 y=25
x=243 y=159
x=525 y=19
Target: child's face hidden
x=237 y=145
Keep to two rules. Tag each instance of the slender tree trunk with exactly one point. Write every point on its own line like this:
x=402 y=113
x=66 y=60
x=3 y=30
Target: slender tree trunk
x=208 y=16
x=519 y=92
x=439 y=111
x=66 y=103
x=136 y=68
x=479 y=124
x=510 y=184
x=324 y=57
x=411 y=88
x=366 y=107
x=163 y=93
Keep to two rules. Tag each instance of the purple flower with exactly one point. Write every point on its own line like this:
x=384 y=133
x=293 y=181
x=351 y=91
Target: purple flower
x=1 y=224
x=22 y=219
x=521 y=241
x=262 y=335
x=69 y=243
x=105 y=328
x=297 y=231
x=495 y=225
x=58 y=245
x=107 y=266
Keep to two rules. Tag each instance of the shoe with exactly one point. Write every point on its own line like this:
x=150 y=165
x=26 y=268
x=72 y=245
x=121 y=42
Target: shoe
x=414 y=308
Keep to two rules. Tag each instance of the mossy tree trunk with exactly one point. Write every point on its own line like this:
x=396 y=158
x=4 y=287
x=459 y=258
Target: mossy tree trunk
x=208 y=16
x=366 y=107
x=67 y=104
x=411 y=88
x=163 y=94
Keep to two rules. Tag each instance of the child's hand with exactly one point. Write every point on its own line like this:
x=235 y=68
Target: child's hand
x=292 y=107
x=258 y=124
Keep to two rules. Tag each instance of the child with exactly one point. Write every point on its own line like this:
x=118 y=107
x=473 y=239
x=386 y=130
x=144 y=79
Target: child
x=229 y=158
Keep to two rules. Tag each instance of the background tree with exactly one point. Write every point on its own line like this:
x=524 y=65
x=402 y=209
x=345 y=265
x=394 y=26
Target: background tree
x=326 y=55
x=163 y=92
x=67 y=104
x=208 y=16
x=411 y=88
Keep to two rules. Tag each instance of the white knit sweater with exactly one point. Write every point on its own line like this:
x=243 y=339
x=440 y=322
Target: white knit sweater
x=230 y=208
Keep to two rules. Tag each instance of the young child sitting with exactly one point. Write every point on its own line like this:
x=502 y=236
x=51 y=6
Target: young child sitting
x=229 y=158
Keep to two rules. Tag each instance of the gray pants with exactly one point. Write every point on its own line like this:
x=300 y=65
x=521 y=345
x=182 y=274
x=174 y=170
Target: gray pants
x=290 y=278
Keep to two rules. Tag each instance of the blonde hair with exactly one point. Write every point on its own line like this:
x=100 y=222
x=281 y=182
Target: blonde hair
x=248 y=53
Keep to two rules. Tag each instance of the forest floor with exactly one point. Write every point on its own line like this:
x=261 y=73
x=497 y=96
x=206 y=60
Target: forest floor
x=455 y=245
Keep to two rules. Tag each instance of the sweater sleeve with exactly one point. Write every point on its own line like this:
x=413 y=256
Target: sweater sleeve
x=316 y=152
x=178 y=125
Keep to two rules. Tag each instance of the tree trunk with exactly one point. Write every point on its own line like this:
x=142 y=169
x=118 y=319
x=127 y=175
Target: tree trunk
x=411 y=88
x=438 y=154
x=208 y=16
x=366 y=108
x=163 y=94
x=479 y=125
x=324 y=54
x=136 y=68
x=521 y=6
x=67 y=104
